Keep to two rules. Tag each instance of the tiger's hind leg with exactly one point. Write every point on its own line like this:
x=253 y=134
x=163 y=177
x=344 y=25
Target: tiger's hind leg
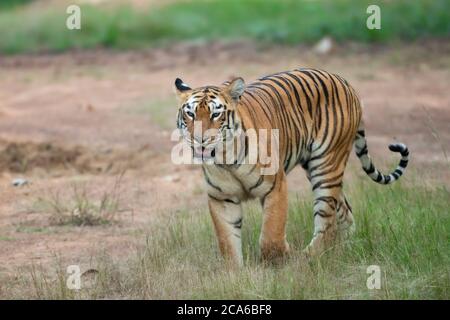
x=325 y=222
x=330 y=209
x=345 y=221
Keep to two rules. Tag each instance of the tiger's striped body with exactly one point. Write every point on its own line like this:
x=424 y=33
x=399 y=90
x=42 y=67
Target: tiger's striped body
x=318 y=116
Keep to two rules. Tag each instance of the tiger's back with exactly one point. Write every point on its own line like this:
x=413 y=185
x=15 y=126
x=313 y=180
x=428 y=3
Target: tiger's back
x=313 y=110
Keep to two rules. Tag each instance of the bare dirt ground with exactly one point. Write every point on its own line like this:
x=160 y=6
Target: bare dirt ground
x=82 y=119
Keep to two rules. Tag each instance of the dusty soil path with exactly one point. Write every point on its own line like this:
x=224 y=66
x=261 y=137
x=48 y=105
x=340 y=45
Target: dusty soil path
x=79 y=120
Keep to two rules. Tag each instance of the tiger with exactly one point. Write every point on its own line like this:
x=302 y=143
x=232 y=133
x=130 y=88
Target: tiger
x=318 y=117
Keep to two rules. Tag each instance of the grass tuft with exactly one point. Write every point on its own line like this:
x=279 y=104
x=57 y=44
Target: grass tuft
x=81 y=209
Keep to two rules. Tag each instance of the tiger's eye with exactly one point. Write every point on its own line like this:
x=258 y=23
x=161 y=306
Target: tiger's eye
x=190 y=114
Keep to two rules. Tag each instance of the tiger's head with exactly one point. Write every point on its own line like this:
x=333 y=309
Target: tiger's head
x=207 y=115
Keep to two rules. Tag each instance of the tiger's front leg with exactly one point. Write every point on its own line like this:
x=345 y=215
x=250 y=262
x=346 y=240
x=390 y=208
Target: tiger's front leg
x=227 y=219
x=272 y=241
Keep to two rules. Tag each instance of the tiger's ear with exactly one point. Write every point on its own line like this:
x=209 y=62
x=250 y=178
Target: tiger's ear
x=235 y=88
x=181 y=88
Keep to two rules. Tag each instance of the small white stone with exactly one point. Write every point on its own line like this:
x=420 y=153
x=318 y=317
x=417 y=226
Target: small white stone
x=19 y=182
x=171 y=178
x=324 y=46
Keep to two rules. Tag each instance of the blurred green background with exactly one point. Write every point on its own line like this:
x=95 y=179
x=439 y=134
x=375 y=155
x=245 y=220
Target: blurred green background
x=39 y=25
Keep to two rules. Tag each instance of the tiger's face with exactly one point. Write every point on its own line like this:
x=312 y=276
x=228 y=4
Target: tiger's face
x=206 y=115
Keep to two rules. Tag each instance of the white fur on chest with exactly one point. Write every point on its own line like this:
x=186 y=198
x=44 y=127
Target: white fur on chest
x=240 y=183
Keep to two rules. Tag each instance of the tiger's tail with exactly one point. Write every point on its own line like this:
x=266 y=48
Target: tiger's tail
x=367 y=164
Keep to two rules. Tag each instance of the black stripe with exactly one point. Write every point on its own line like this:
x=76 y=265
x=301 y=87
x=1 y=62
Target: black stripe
x=403 y=163
x=331 y=201
x=226 y=200
x=330 y=186
x=258 y=183
x=370 y=170
x=238 y=223
x=209 y=181
x=321 y=182
x=362 y=152
x=322 y=214
x=263 y=199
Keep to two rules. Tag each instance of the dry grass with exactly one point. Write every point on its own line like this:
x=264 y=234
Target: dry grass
x=81 y=208
x=403 y=229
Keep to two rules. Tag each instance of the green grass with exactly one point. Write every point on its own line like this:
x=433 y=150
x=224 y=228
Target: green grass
x=8 y=4
x=285 y=21
x=403 y=229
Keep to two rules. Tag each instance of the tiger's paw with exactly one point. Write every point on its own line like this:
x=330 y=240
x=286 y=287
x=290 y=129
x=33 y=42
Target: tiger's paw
x=274 y=251
x=316 y=247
